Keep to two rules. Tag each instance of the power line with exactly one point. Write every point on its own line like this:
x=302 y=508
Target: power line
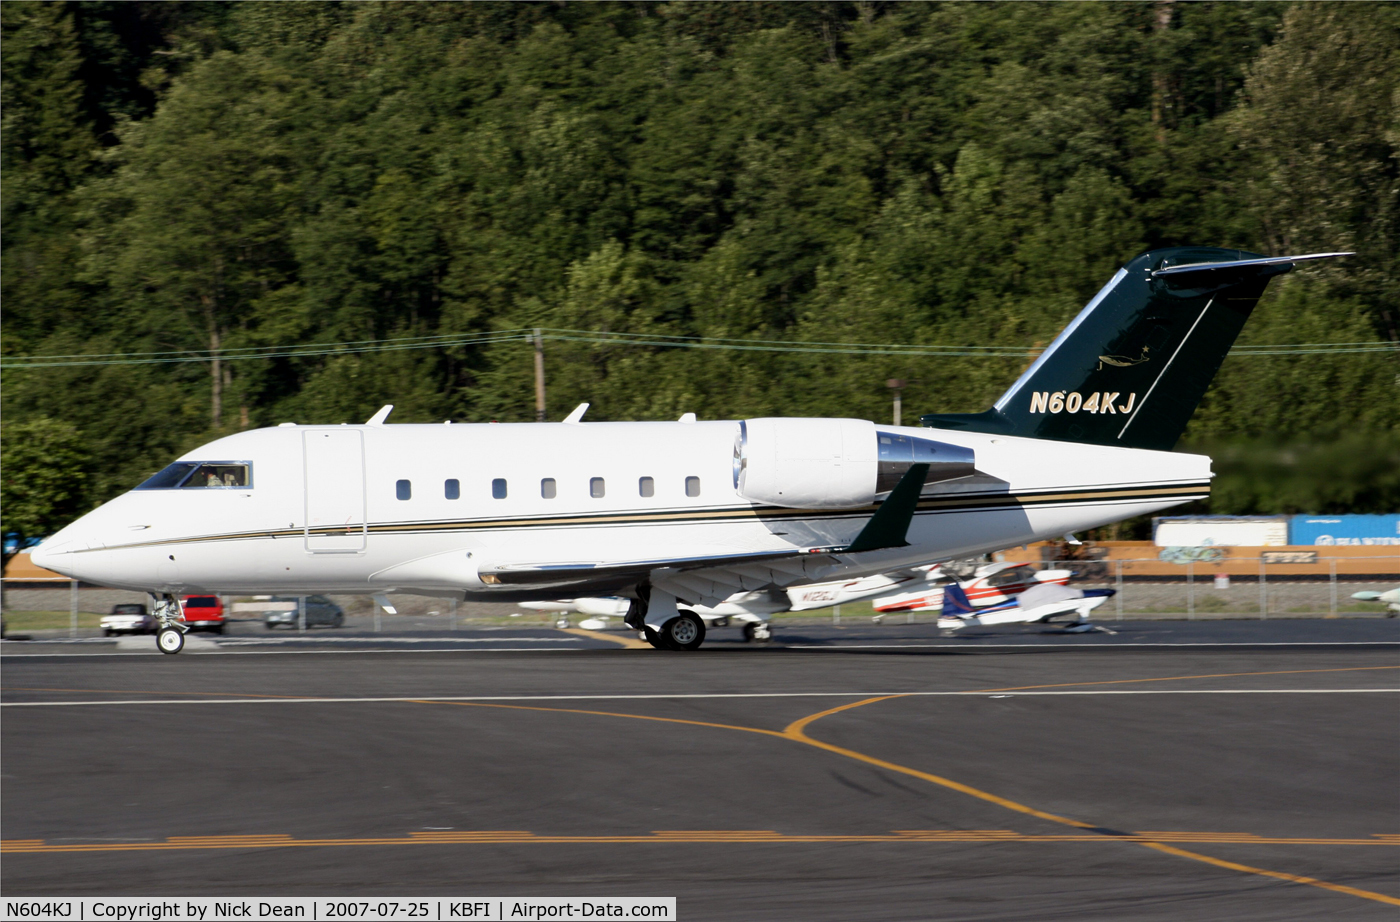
x=595 y=337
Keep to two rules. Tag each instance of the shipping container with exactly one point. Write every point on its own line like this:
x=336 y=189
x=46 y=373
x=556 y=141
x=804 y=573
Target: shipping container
x=1357 y=530
x=1220 y=531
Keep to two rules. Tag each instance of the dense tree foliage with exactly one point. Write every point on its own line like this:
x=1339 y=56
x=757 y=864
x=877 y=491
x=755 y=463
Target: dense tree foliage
x=195 y=179
x=43 y=482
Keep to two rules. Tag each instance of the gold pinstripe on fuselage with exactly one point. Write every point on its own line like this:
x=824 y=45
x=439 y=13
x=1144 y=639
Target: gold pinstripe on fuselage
x=928 y=505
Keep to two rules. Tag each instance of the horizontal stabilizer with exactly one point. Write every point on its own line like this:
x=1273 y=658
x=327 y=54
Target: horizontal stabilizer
x=1242 y=263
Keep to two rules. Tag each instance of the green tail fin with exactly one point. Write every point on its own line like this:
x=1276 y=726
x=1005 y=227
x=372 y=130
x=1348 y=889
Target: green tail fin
x=1131 y=368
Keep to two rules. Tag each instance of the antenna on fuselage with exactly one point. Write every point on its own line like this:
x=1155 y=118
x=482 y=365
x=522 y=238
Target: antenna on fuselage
x=383 y=414
x=577 y=415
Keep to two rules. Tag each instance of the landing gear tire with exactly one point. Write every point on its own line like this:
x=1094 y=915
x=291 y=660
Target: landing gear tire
x=653 y=638
x=170 y=640
x=758 y=632
x=686 y=632
x=561 y=623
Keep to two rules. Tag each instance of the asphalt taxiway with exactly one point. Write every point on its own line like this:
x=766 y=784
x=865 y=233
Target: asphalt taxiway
x=1247 y=775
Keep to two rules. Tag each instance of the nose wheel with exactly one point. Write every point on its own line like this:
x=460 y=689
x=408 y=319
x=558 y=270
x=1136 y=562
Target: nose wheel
x=170 y=640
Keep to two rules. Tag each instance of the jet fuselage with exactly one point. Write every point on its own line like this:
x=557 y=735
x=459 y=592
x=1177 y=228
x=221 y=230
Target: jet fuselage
x=431 y=508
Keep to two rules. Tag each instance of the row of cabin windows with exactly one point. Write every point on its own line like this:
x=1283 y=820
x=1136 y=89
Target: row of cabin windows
x=452 y=489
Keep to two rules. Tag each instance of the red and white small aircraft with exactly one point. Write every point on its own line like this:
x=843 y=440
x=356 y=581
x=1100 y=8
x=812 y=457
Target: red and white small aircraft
x=990 y=584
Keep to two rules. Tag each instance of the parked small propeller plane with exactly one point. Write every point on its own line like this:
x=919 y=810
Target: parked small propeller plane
x=754 y=610
x=1040 y=603
x=989 y=584
x=683 y=513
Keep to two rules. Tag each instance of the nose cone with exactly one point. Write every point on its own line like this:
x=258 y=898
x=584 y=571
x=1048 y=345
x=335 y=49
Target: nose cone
x=52 y=554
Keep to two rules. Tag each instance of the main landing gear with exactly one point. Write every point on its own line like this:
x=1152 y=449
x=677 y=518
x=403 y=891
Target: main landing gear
x=686 y=631
x=683 y=630
x=170 y=635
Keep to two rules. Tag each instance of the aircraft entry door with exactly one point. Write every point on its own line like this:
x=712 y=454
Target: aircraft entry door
x=334 y=465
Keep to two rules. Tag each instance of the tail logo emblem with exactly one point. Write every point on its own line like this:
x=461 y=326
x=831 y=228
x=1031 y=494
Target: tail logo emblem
x=1074 y=402
x=1121 y=361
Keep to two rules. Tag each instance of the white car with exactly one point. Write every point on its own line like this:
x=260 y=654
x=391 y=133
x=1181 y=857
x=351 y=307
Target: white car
x=128 y=619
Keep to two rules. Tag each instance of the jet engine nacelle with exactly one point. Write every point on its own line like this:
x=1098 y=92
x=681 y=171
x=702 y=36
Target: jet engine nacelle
x=834 y=463
x=807 y=463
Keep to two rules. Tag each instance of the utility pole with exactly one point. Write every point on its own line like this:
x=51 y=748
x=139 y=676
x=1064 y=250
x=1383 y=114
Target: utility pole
x=897 y=385
x=539 y=376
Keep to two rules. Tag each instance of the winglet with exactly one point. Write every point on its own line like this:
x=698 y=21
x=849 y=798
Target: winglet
x=890 y=523
x=383 y=414
x=577 y=415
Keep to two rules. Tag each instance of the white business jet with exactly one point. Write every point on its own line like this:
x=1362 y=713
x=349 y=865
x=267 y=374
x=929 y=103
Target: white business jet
x=676 y=514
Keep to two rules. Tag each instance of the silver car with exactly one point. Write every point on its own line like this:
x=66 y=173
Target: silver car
x=282 y=612
x=128 y=619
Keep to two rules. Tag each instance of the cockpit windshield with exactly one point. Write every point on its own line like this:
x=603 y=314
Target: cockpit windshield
x=185 y=475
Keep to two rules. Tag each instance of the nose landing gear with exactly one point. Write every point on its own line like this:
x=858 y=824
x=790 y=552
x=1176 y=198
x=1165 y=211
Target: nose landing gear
x=170 y=640
x=170 y=636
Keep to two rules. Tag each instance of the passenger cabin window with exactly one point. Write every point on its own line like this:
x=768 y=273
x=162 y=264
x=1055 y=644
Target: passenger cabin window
x=452 y=489
x=201 y=474
x=692 y=486
x=547 y=488
x=498 y=488
x=596 y=489
x=403 y=489
x=646 y=486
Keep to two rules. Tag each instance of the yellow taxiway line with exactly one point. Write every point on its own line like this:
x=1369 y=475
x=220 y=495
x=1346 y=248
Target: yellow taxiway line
x=796 y=732
x=628 y=640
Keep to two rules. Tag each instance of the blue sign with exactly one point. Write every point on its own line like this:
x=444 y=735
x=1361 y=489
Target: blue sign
x=1356 y=530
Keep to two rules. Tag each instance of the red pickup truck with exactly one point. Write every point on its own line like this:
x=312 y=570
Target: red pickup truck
x=203 y=612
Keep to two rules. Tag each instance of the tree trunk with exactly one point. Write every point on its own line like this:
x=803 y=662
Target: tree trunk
x=1161 y=21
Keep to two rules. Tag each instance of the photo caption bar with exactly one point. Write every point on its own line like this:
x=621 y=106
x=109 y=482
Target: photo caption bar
x=321 y=909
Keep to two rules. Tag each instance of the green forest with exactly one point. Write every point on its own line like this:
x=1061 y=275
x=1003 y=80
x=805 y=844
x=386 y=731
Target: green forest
x=229 y=215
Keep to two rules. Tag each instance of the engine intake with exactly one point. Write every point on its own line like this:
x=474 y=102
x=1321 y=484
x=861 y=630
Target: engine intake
x=833 y=463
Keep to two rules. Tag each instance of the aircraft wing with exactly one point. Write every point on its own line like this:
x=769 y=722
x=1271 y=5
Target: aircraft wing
x=564 y=574
x=710 y=579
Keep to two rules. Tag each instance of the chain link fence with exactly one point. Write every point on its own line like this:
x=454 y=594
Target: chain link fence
x=1199 y=586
